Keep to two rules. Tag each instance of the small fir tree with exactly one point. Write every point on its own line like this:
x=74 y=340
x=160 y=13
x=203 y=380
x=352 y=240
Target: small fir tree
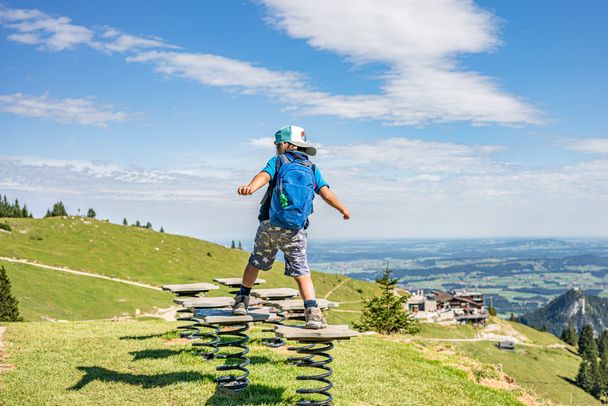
x=9 y=310
x=587 y=346
x=602 y=343
x=59 y=209
x=91 y=214
x=149 y=225
x=162 y=230
x=240 y=245
x=584 y=378
x=386 y=313
x=125 y=222
x=137 y=224
x=233 y=245
x=569 y=335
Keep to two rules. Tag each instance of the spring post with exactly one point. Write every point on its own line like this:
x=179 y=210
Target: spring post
x=316 y=355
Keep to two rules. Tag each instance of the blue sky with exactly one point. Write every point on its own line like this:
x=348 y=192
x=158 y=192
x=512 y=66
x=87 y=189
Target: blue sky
x=434 y=119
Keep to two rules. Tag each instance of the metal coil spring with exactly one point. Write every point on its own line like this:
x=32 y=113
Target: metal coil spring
x=234 y=382
x=207 y=337
x=186 y=330
x=317 y=357
x=274 y=342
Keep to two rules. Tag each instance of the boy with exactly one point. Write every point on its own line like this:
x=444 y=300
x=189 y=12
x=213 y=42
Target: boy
x=283 y=218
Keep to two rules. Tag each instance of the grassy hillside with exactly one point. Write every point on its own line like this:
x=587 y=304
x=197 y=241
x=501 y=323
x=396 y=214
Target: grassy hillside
x=47 y=294
x=543 y=364
x=135 y=254
x=121 y=363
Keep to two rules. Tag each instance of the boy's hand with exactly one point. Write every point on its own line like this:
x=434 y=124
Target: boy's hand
x=245 y=190
x=345 y=213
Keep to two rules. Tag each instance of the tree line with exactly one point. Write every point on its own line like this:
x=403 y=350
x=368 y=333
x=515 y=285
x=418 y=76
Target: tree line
x=592 y=374
x=13 y=210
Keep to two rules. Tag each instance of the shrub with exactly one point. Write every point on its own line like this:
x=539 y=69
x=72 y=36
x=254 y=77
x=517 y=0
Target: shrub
x=386 y=313
x=9 y=310
x=5 y=226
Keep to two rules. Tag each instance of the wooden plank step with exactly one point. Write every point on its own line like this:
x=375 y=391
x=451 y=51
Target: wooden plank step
x=297 y=305
x=226 y=317
x=190 y=287
x=205 y=302
x=329 y=333
x=235 y=282
x=276 y=293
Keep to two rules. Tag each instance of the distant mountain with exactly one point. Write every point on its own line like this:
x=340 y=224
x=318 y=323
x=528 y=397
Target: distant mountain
x=574 y=307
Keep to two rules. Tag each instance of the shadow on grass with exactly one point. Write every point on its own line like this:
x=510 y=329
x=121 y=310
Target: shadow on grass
x=167 y=335
x=145 y=381
x=569 y=380
x=156 y=354
x=254 y=394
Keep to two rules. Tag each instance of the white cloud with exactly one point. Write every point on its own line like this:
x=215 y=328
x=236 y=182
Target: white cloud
x=79 y=111
x=588 y=145
x=420 y=42
x=35 y=27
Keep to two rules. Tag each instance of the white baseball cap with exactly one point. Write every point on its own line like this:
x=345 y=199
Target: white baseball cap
x=294 y=135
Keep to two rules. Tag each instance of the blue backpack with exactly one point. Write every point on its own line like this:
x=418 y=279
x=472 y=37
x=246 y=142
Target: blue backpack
x=293 y=193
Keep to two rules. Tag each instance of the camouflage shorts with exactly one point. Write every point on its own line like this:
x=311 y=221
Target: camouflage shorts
x=269 y=239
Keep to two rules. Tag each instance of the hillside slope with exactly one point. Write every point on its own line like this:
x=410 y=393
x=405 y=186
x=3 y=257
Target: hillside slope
x=541 y=362
x=134 y=254
x=123 y=363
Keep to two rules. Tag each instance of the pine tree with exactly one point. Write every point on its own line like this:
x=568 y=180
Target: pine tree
x=125 y=222
x=48 y=213
x=602 y=343
x=24 y=212
x=162 y=230
x=240 y=245
x=584 y=378
x=91 y=214
x=59 y=209
x=137 y=224
x=603 y=373
x=569 y=335
x=587 y=346
x=9 y=310
x=149 y=225
x=233 y=245
x=386 y=313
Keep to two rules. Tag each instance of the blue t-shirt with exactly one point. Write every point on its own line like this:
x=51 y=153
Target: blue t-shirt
x=271 y=168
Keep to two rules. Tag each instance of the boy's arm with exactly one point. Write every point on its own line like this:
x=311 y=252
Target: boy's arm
x=331 y=199
x=257 y=182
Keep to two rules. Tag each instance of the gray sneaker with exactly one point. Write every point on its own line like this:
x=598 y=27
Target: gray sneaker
x=241 y=303
x=314 y=318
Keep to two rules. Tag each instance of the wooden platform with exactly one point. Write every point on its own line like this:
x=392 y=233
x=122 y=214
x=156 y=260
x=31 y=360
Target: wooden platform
x=329 y=333
x=235 y=282
x=276 y=293
x=297 y=305
x=226 y=317
x=190 y=288
x=205 y=302
x=212 y=302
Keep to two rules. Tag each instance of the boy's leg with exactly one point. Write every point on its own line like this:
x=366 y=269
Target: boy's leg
x=306 y=287
x=262 y=257
x=293 y=245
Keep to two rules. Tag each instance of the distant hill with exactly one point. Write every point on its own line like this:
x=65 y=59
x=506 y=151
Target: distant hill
x=574 y=306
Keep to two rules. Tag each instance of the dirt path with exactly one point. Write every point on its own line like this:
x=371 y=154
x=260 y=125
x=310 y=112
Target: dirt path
x=81 y=273
x=335 y=288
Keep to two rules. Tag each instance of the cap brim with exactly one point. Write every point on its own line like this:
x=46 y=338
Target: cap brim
x=310 y=150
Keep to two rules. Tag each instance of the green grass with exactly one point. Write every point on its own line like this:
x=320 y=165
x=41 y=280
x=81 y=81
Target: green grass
x=433 y=330
x=122 y=363
x=547 y=366
x=547 y=371
x=135 y=254
x=45 y=293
